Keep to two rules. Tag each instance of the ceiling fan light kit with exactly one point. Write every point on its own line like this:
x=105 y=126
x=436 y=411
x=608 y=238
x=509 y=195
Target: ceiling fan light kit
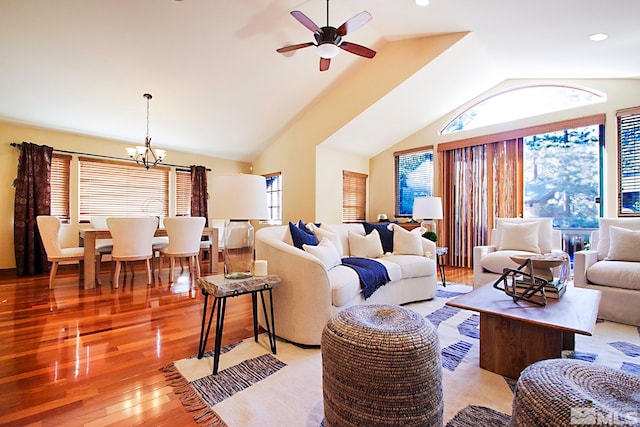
x=328 y=39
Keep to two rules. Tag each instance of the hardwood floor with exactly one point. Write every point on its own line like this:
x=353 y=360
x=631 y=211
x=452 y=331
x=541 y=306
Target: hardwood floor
x=70 y=356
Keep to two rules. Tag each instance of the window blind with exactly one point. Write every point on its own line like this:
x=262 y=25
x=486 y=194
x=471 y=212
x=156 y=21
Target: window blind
x=117 y=188
x=183 y=193
x=414 y=178
x=354 y=196
x=60 y=173
x=629 y=162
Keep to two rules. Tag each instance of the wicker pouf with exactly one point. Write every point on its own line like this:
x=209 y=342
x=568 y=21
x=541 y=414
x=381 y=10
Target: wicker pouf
x=381 y=366
x=567 y=392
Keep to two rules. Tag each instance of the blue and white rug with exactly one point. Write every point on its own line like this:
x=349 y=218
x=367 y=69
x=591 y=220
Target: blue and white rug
x=256 y=388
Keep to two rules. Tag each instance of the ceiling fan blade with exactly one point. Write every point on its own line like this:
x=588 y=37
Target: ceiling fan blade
x=354 y=23
x=306 y=21
x=358 y=49
x=324 y=64
x=294 y=47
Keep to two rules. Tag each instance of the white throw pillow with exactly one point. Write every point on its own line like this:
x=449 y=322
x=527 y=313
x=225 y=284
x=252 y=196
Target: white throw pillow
x=326 y=233
x=519 y=237
x=406 y=242
x=624 y=244
x=603 y=234
x=545 y=230
x=326 y=252
x=368 y=246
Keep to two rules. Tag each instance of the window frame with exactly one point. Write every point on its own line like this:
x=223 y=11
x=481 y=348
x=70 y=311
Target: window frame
x=629 y=117
x=271 y=205
x=398 y=155
x=354 y=196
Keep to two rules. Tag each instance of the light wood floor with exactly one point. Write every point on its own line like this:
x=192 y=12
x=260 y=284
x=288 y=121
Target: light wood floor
x=71 y=356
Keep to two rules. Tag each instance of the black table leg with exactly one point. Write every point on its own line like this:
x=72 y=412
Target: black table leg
x=222 y=305
x=254 y=309
x=204 y=336
x=441 y=268
x=271 y=328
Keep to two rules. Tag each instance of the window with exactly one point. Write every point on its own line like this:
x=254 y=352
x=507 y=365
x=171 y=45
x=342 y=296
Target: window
x=629 y=162
x=519 y=103
x=60 y=172
x=183 y=193
x=274 y=197
x=124 y=189
x=414 y=178
x=354 y=196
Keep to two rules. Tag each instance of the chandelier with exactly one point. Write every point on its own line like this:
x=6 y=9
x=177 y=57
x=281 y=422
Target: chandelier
x=145 y=155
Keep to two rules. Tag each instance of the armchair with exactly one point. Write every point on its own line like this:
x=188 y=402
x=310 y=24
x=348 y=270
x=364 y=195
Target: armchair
x=612 y=266
x=513 y=236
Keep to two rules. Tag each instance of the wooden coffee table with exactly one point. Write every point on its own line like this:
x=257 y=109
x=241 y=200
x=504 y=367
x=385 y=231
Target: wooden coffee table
x=515 y=335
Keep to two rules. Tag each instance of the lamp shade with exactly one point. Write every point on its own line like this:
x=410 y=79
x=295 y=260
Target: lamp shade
x=427 y=208
x=239 y=197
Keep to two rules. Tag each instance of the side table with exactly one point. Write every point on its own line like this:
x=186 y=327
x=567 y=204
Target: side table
x=441 y=251
x=221 y=288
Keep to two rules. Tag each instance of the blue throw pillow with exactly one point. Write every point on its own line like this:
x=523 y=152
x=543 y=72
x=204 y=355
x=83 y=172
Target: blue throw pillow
x=303 y=226
x=301 y=237
x=386 y=235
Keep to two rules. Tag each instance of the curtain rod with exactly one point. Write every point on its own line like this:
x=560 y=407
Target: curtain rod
x=182 y=167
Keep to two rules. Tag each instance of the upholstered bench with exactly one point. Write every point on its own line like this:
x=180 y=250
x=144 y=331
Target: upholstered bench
x=381 y=366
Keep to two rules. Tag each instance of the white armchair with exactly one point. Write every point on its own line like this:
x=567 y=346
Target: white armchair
x=513 y=236
x=612 y=266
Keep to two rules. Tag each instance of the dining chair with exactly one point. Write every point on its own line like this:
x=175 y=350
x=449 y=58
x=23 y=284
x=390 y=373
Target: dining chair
x=132 y=241
x=103 y=246
x=49 y=229
x=184 y=241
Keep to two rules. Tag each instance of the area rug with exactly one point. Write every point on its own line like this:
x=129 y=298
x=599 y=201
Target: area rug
x=256 y=388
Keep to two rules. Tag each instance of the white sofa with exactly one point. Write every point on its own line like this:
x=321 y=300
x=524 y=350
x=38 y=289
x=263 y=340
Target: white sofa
x=490 y=260
x=310 y=294
x=613 y=269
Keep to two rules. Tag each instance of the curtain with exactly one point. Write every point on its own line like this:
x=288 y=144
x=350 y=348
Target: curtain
x=33 y=198
x=199 y=193
x=479 y=183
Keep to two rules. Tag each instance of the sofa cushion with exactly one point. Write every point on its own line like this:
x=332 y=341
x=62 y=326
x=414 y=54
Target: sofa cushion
x=368 y=246
x=519 y=237
x=406 y=242
x=495 y=262
x=326 y=252
x=624 y=245
x=301 y=237
x=545 y=230
x=603 y=233
x=412 y=265
x=385 y=231
x=619 y=274
x=345 y=283
x=325 y=233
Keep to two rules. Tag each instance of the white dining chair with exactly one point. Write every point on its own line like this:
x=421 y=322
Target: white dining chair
x=49 y=229
x=103 y=246
x=132 y=241
x=184 y=241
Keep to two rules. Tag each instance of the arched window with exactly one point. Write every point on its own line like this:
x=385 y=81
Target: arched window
x=519 y=103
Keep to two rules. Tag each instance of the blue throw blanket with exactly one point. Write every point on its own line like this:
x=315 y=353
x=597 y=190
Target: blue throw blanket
x=372 y=273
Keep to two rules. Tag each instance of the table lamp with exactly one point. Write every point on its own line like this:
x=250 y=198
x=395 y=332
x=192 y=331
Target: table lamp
x=428 y=209
x=239 y=198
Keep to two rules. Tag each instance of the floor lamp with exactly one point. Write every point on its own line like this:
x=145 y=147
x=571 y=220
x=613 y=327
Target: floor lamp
x=239 y=198
x=428 y=209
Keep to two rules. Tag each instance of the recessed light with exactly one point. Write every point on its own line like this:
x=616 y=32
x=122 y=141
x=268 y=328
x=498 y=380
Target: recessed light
x=422 y=2
x=598 y=37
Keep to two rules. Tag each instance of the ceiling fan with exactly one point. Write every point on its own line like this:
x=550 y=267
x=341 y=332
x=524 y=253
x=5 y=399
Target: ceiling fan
x=329 y=39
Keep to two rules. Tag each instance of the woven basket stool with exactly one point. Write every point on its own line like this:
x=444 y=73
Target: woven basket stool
x=381 y=367
x=567 y=392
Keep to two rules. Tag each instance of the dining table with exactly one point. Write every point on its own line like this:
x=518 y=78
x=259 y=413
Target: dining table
x=88 y=237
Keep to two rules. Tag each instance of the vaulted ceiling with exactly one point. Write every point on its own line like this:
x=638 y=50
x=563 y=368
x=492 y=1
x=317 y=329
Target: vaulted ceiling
x=220 y=89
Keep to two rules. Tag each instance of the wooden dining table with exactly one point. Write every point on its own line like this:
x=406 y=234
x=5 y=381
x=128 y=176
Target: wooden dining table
x=88 y=237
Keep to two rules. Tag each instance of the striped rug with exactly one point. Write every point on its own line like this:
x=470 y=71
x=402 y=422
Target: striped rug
x=255 y=388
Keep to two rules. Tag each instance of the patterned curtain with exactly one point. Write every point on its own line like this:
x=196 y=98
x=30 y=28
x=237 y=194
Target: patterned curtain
x=33 y=198
x=479 y=183
x=199 y=193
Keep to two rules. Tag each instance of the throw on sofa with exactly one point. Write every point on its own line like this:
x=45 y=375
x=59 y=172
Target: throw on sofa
x=612 y=266
x=314 y=287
